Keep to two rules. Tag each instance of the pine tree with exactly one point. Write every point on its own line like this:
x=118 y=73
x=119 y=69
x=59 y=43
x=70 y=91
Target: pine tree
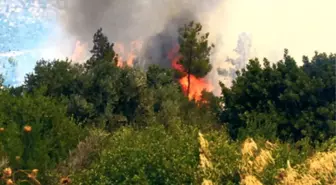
x=195 y=51
x=102 y=49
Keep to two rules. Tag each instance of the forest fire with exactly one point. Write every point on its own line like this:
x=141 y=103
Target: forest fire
x=125 y=55
x=197 y=85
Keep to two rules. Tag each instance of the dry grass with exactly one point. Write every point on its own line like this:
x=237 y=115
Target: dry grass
x=319 y=168
x=80 y=157
x=204 y=152
x=3 y=162
x=207 y=182
x=250 y=180
x=249 y=148
x=323 y=165
x=291 y=176
x=204 y=155
x=254 y=161
x=262 y=160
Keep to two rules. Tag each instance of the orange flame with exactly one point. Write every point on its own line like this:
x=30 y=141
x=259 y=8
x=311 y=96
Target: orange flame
x=79 y=51
x=129 y=55
x=119 y=48
x=197 y=85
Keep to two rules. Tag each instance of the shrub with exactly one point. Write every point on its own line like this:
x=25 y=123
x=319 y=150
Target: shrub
x=149 y=156
x=36 y=133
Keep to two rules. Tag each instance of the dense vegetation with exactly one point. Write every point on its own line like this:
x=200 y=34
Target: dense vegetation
x=133 y=126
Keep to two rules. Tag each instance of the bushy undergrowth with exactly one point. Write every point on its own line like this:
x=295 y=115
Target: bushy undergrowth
x=35 y=131
x=149 y=156
x=157 y=156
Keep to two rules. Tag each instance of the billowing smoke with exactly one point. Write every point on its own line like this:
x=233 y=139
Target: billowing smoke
x=153 y=22
x=263 y=28
x=127 y=19
x=160 y=44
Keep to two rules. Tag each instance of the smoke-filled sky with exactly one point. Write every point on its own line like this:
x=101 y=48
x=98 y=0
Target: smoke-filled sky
x=49 y=28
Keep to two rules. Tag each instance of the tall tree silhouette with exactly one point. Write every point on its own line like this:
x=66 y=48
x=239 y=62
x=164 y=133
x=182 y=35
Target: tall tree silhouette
x=195 y=51
x=102 y=49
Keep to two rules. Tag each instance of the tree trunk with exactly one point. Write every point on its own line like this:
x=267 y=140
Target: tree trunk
x=189 y=70
x=188 y=91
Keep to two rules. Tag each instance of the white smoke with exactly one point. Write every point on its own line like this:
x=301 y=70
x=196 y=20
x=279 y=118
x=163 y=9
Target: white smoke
x=302 y=26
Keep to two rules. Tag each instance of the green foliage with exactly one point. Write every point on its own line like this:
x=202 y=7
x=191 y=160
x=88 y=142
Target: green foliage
x=52 y=132
x=81 y=157
x=283 y=100
x=322 y=67
x=149 y=156
x=1 y=80
x=108 y=96
x=158 y=77
x=102 y=50
x=195 y=51
x=116 y=94
x=225 y=157
x=211 y=104
x=295 y=154
x=144 y=130
x=95 y=95
x=59 y=77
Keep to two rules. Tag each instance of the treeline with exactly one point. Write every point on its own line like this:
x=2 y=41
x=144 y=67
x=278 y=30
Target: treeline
x=283 y=100
x=133 y=126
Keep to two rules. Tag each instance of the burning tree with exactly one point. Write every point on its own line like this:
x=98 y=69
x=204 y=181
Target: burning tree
x=194 y=51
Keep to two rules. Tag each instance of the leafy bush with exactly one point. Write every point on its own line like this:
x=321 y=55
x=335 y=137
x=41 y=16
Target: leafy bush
x=225 y=157
x=35 y=131
x=149 y=156
x=80 y=158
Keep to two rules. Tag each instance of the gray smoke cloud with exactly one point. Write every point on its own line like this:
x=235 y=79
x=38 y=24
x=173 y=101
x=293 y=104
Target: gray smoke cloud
x=153 y=22
x=243 y=51
x=270 y=25
x=126 y=20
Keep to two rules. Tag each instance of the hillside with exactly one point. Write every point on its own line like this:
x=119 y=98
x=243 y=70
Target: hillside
x=108 y=122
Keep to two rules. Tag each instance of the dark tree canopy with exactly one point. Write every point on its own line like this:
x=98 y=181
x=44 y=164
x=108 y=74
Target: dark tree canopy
x=102 y=49
x=59 y=77
x=283 y=100
x=159 y=77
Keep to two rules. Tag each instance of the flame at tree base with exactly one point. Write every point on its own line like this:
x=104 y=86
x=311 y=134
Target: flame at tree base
x=197 y=85
x=127 y=57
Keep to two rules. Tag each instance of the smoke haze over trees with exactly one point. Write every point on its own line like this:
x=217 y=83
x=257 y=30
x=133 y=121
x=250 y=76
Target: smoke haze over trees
x=226 y=20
